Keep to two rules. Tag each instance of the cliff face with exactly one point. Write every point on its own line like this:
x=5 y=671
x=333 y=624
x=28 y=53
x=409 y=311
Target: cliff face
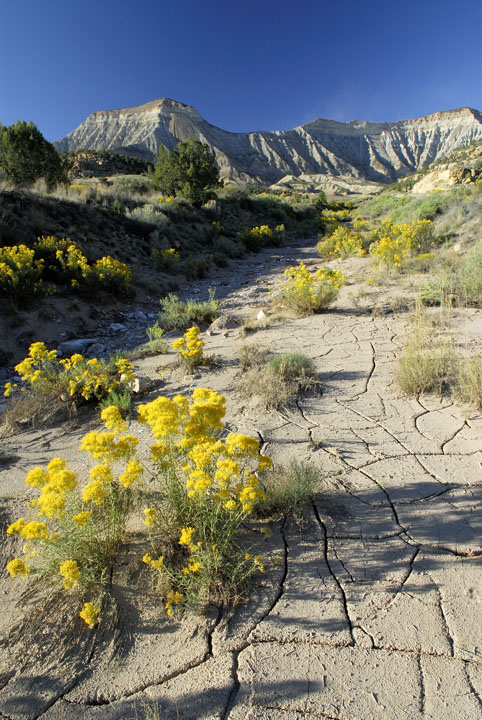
x=380 y=152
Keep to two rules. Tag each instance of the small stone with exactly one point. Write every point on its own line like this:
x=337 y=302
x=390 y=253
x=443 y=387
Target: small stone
x=79 y=345
x=118 y=327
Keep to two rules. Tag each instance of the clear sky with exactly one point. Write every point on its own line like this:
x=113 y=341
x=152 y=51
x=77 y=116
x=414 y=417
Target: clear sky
x=243 y=64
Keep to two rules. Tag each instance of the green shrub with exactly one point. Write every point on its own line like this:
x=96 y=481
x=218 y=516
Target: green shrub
x=230 y=248
x=262 y=236
x=288 y=490
x=459 y=285
x=276 y=380
x=179 y=315
x=196 y=267
x=157 y=344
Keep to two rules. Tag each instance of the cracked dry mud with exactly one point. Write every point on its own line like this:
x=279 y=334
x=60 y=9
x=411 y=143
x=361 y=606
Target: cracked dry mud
x=374 y=608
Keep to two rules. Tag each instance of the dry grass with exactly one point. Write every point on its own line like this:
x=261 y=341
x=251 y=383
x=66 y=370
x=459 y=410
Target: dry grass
x=276 y=380
x=469 y=381
x=428 y=361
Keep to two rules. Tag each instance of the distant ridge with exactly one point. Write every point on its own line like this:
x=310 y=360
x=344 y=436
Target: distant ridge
x=379 y=152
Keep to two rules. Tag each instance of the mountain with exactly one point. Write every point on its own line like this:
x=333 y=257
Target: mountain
x=379 y=152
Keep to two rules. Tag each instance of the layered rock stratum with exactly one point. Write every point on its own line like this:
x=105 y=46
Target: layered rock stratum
x=380 y=152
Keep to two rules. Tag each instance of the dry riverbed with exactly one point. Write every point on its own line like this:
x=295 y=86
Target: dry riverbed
x=369 y=609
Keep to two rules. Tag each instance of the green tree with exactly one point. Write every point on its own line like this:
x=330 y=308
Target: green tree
x=189 y=171
x=26 y=156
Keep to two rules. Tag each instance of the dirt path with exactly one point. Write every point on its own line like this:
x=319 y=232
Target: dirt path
x=374 y=608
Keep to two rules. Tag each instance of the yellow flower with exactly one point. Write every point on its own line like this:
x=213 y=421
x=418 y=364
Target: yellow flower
x=230 y=505
x=89 y=614
x=17 y=567
x=94 y=492
x=151 y=517
x=112 y=419
x=36 y=477
x=82 y=518
x=70 y=573
x=186 y=536
x=131 y=473
x=16 y=527
x=34 y=530
x=102 y=473
x=51 y=503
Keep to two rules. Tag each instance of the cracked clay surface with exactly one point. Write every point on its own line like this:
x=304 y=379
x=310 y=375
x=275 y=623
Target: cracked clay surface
x=371 y=608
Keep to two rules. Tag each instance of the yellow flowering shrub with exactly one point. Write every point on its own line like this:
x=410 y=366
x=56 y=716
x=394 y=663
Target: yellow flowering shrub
x=25 y=272
x=262 y=236
x=190 y=347
x=304 y=292
x=78 y=530
x=20 y=274
x=393 y=245
x=165 y=259
x=42 y=372
x=211 y=486
x=343 y=242
x=110 y=275
x=205 y=488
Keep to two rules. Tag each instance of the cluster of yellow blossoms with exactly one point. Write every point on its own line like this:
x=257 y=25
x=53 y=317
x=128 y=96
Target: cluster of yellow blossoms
x=20 y=272
x=81 y=378
x=23 y=270
x=216 y=482
x=305 y=292
x=212 y=485
x=343 y=242
x=393 y=244
x=190 y=347
x=73 y=521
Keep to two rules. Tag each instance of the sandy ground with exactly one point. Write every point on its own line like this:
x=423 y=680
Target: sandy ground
x=374 y=608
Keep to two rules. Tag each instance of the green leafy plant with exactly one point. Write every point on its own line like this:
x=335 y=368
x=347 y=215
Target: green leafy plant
x=25 y=156
x=276 y=379
x=288 y=490
x=188 y=171
x=157 y=344
x=179 y=315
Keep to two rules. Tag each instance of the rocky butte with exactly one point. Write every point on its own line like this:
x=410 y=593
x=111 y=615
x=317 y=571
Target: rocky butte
x=379 y=152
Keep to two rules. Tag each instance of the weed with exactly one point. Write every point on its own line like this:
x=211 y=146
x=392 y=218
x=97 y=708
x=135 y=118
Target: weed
x=276 y=379
x=288 y=490
x=165 y=259
x=121 y=400
x=179 y=315
x=157 y=344
x=73 y=380
x=75 y=538
x=468 y=386
x=427 y=362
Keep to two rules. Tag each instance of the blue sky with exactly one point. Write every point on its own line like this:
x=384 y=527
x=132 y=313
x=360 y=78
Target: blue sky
x=245 y=65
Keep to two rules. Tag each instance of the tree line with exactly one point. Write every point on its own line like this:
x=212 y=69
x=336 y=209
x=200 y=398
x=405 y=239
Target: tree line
x=188 y=171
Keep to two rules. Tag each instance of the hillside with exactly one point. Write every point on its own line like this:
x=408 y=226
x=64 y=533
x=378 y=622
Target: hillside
x=380 y=152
